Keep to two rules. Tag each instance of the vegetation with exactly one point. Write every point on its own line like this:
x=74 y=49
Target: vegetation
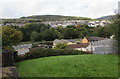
x=5 y=21
x=51 y=34
x=10 y=36
x=70 y=33
x=40 y=18
x=70 y=66
x=117 y=31
x=37 y=32
x=55 y=17
x=42 y=32
x=31 y=27
x=110 y=17
x=42 y=52
x=0 y=36
x=34 y=36
x=61 y=46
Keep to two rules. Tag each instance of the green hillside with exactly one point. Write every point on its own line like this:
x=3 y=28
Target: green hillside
x=109 y=17
x=70 y=66
x=55 y=17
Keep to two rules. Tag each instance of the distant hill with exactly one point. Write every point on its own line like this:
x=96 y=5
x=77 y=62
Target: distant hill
x=55 y=17
x=110 y=17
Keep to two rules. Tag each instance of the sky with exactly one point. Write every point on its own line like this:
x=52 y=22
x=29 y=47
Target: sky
x=80 y=8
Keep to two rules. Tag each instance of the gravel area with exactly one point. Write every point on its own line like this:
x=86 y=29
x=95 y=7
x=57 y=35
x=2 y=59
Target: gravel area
x=9 y=72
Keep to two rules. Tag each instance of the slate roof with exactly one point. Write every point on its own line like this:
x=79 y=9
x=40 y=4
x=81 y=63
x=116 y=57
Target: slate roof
x=94 y=38
x=59 y=41
x=81 y=45
x=63 y=40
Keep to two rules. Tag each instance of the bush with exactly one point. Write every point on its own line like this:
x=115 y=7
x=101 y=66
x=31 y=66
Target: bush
x=42 y=52
x=11 y=36
x=7 y=48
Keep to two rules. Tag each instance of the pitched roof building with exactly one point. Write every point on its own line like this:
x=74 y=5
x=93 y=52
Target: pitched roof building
x=81 y=45
x=91 y=39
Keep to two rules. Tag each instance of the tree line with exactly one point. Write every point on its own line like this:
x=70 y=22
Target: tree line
x=43 y=32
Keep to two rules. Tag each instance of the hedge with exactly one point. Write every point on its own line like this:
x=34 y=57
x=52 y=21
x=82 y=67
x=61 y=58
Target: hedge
x=42 y=52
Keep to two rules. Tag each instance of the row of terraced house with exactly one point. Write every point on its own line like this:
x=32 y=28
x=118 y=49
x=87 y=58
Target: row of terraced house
x=66 y=23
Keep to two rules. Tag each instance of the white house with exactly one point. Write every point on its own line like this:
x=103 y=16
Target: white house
x=22 y=49
x=106 y=46
x=80 y=47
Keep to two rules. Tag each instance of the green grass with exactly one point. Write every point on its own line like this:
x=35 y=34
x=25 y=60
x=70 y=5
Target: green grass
x=70 y=66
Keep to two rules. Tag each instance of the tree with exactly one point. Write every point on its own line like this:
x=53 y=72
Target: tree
x=61 y=46
x=28 y=28
x=11 y=36
x=34 y=36
x=82 y=32
x=51 y=34
x=70 y=33
x=71 y=26
x=117 y=31
x=59 y=28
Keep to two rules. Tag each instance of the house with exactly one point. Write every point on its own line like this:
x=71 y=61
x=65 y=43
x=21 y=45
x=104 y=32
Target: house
x=22 y=49
x=106 y=46
x=57 y=41
x=99 y=45
x=91 y=39
x=80 y=47
x=71 y=42
x=68 y=42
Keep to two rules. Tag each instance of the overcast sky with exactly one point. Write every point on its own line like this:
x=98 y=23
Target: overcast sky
x=83 y=8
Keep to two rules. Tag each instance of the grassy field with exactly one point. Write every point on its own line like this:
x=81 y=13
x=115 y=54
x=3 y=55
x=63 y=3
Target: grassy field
x=70 y=66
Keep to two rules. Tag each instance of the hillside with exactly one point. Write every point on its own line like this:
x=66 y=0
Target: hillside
x=55 y=17
x=70 y=66
x=109 y=17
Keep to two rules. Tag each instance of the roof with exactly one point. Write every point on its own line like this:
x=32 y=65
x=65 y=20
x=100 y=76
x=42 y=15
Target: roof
x=94 y=38
x=81 y=45
x=63 y=40
x=73 y=41
x=59 y=41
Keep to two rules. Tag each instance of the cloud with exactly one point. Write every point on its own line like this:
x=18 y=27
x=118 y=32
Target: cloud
x=85 y=8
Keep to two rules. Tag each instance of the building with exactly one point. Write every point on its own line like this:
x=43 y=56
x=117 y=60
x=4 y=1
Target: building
x=98 y=23
x=80 y=47
x=22 y=49
x=91 y=39
x=99 y=45
x=68 y=42
x=106 y=46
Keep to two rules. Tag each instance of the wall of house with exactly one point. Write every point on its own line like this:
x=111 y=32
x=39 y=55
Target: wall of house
x=88 y=48
x=22 y=49
x=84 y=40
x=70 y=43
x=81 y=49
x=107 y=46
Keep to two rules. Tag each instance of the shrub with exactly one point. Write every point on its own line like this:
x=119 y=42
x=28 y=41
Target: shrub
x=42 y=52
x=61 y=46
x=11 y=36
x=7 y=48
